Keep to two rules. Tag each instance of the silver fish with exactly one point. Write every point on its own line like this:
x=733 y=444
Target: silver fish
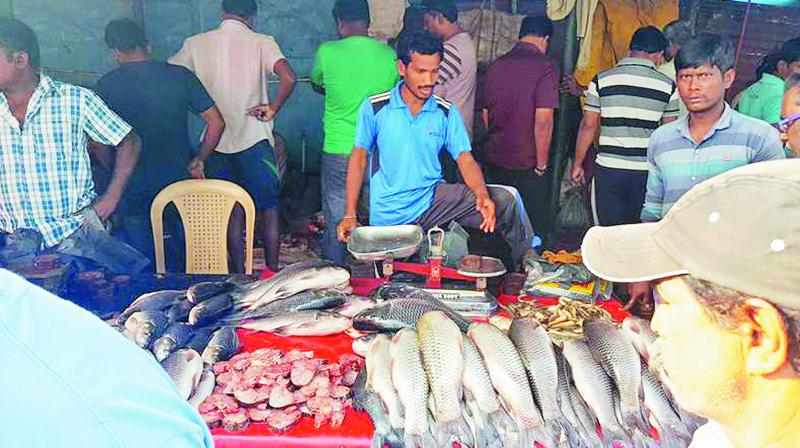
x=391 y=291
x=672 y=431
x=622 y=363
x=204 y=388
x=640 y=334
x=149 y=326
x=596 y=389
x=355 y=305
x=536 y=350
x=379 y=379
x=180 y=311
x=304 y=301
x=367 y=401
x=510 y=380
x=224 y=343
x=361 y=345
x=206 y=290
x=396 y=314
x=157 y=300
x=175 y=336
x=185 y=367
x=200 y=339
x=481 y=399
x=303 y=323
x=210 y=310
x=411 y=384
x=582 y=428
x=292 y=280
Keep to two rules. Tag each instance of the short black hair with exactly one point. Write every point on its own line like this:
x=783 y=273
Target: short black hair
x=16 y=36
x=125 y=35
x=448 y=8
x=241 y=8
x=536 y=26
x=768 y=64
x=678 y=32
x=649 y=39
x=790 y=51
x=793 y=81
x=420 y=42
x=706 y=48
x=351 y=11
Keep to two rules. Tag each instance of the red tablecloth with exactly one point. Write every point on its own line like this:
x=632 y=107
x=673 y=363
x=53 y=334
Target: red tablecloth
x=356 y=432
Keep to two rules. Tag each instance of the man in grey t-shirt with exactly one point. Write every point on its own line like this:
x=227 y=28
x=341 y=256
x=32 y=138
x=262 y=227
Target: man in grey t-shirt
x=458 y=72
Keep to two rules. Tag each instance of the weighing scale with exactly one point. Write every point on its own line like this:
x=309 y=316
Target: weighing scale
x=387 y=244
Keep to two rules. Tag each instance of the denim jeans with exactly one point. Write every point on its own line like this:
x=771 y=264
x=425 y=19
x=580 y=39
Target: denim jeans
x=334 y=177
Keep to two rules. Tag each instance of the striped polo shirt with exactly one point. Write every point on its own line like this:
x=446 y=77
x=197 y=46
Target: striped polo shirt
x=677 y=163
x=631 y=99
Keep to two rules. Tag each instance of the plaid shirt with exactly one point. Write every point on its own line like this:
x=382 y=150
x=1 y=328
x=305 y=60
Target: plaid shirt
x=45 y=173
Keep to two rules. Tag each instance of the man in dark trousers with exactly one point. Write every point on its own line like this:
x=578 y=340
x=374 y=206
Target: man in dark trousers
x=154 y=97
x=520 y=94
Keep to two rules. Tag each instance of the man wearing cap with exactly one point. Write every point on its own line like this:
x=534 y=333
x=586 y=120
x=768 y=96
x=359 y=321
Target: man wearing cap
x=725 y=261
x=790 y=116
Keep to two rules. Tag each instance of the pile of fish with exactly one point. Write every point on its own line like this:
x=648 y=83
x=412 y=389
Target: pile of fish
x=440 y=379
x=564 y=319
x=188 y=331
x=278 y=388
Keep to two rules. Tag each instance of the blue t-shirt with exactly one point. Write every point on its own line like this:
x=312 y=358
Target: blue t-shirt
x=407 y=149
x=69 y=379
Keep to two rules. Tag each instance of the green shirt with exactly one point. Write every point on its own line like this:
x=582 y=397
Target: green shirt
x=763 y=99
x=350 y=70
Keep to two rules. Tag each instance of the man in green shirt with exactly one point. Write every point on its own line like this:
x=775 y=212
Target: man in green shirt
x=346 y=71
x=763 y=99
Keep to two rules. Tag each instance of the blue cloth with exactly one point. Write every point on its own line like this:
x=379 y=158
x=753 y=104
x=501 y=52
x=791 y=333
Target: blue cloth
x=45 y=173
x=253 y=169
x=72 y=380
x=408 y=149
x=677 y=163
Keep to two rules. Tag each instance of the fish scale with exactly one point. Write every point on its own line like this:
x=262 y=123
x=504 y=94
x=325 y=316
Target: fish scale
x=595 y=387
x=672 y=431
x=622 y=363
x=411 y=384
x=367 y=401
x=442 y=348
x=396 y=314
x=379 y=379
x=185 y=367
x=509 y=378
x=581 y=431
x=224 y=343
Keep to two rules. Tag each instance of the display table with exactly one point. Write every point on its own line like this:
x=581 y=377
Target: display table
x=356 y=431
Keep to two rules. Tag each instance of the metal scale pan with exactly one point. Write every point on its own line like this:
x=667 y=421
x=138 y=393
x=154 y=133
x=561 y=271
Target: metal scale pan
x=380 y=243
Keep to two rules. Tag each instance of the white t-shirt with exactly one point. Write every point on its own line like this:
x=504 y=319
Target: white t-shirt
x=710 y=435
x=233 y=62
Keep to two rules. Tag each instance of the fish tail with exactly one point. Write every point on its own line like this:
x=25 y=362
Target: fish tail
x=528 y=437
x=639 y=427
x=457 y=429
x=425 y=440
x=671 y=437
x=574 y=438
x=503 y=425
x=614 y=437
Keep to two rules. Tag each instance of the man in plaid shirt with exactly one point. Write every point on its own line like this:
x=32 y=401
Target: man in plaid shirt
x=45 y=174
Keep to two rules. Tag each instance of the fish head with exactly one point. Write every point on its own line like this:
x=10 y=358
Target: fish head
x=373 y=319
x=143 y=334
x=162 y=347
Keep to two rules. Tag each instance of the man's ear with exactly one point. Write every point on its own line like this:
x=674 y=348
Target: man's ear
x=401 y=68
x=728 y=78
x=769 y=339
x=21 y=59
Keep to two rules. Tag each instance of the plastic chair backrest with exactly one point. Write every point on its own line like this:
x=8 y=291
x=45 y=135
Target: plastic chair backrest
x=205 y=208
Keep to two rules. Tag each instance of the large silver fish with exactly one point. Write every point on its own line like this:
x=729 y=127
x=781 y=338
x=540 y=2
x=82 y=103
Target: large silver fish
x=510 y=380
x=200 y=339
x=582 y=428
x=411 y=384
x=157 y=300
x=210 y=310
x=671 y=429
x=204 y=388
x=391 y=291
x=185 y=367
x=294 y=279
x=396 y=314
x=536 y=350
x=304 y=301
x=481 y=398
x=203 y=291
x=596 y=389
x=303 y=323
x=442 y=348
x=354 y=305
x=367 y=401
x=622 y=363
x=175 y=336
x=640 y=334
x=224 y=343
x=379 y=379
x=146 y=326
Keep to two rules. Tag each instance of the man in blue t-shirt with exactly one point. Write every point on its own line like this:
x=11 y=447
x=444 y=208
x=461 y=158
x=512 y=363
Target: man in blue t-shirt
x=69 y=379
x=403 y=131
x=154 y=97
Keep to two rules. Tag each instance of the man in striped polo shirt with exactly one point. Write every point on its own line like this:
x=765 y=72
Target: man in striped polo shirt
x=713 y=139
x=626 y=103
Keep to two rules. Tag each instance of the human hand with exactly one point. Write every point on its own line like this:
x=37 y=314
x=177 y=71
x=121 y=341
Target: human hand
x=570 y=85
x=578 y=173
x=105 y=206
x=345 y=227
x=262 y=112
x=197 y=168
x=486 y=207
x=640 y=296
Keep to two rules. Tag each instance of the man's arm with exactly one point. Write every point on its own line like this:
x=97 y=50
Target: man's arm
x=287 y=80
x=485 y=118
x=355 y=177
x=473 y=177
x=544 y=136
x=215 y=126
x=127 y=154
x=590 y=125
x=771 y=147
x=653 y=209
x=317 y=76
